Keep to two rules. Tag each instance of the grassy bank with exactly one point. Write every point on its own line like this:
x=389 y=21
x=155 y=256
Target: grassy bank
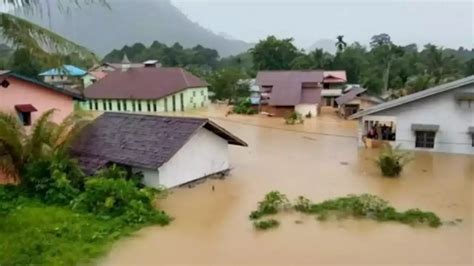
x=35 y=233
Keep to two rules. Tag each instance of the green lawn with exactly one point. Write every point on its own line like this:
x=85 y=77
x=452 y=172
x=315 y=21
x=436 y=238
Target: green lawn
x=34 y=233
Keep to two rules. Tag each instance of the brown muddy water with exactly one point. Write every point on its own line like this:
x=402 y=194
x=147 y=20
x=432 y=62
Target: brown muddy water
x=321 y=161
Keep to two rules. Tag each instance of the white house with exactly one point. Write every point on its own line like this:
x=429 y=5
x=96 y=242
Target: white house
x=439 y=119
x=169 y=151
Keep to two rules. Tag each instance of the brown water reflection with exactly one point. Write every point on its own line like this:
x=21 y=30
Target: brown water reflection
x=212 y=228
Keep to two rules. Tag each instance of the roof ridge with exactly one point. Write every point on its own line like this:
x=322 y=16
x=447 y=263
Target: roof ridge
x=184 y=77
x=416 y=96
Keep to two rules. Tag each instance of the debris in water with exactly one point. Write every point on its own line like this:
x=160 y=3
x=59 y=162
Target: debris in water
x=313 y=139
x=344 y=163
x=298 y=222
x=213 y=188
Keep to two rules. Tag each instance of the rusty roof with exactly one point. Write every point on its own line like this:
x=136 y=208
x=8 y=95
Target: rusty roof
x=143 y=83
x=350 y=95
x=138 y=140
x=287 y=86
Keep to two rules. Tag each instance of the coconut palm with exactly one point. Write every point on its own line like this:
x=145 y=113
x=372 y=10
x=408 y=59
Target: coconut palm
x=340 y=44
x=18 y=146
x=40 y=41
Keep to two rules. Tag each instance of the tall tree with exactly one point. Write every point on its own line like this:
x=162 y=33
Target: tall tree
x=340 y=44
x=385 y=52
x=274 y=54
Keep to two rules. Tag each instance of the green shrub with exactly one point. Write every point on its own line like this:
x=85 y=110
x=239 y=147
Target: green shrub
x=294 y=118
x=391 y=160
x=244 y=107
x=266 y=224
x=365 y=206
x=50 y=179
x=271 y=204
x=120 y=198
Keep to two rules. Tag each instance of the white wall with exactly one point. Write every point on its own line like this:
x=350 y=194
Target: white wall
x=442 y=109
x=204 y=154
x=304 y=109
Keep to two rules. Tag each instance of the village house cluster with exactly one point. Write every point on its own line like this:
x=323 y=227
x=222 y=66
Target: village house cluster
x=134 y=98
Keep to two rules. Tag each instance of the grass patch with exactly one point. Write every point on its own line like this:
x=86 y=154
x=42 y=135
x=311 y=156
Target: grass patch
x=34 y=233
x=266 y=224
x=358 y=206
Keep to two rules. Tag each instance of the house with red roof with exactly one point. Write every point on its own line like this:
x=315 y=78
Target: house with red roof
x=148 y=89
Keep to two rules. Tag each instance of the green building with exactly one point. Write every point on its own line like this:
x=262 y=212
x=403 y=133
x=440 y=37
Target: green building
x=148 y=89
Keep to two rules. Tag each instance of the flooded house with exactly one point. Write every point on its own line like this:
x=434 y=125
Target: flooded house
x=149 y=89
x=333 y=86
x=283 y=92
x=29 y=98
x=355 y=99
x=439 y=119
x=168 y=151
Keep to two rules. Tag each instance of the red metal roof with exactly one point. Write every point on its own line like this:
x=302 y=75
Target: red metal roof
x=143 y=83
x=25 y=108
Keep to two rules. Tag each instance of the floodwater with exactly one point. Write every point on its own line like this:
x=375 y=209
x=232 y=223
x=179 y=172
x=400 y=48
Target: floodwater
x=319 y=160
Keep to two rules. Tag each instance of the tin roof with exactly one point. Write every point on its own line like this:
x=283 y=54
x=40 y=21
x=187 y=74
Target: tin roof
x=287 y=86
x=143 y=83
x=416 y=96
x=66 y=70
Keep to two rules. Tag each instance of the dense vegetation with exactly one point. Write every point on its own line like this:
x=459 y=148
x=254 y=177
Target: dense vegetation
x=57 y=213
x=357 y=206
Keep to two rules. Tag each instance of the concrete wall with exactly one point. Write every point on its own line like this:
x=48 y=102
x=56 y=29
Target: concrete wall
x=452 y=116
x=192 y=98
x=204 y=154
x=304 y=109
x=44 y=99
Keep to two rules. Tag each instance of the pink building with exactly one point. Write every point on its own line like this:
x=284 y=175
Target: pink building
x=29 y=98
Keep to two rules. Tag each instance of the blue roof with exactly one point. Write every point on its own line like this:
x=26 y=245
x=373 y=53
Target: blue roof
x=66 y=70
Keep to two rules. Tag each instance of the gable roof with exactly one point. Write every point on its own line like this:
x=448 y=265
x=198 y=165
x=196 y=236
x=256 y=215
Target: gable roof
x=335 y=76
x=288 y=85
x=143 y=83
x=138 y=140
x=415 y=96
x=73 y=93
x=66 y=70
x=350 y=95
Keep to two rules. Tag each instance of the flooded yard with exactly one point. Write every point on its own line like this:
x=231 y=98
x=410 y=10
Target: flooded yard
x=319 y=160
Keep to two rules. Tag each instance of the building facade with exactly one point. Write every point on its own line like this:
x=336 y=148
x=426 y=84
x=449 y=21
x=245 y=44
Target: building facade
x=146 y=90
x=439 y=119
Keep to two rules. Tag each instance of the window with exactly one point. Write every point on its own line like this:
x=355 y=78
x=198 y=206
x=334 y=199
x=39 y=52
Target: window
x=202 y=92
x=181 y=96
x=96 y=105
x=326 y=85
x=90 y=104
x=119 y=107
x=166 y=104
x=139 y=106
x=134 y=106
x=425 y=139
x=125 y=105
x=148 y=106
x=104 y=105
x=154 y=106
x=194 y=93
x=110 y=105
x=25 y=118
x=174 y=103
x=472 y=137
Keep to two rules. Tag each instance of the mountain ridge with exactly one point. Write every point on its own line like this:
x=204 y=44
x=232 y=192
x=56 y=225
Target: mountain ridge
x=129 y=22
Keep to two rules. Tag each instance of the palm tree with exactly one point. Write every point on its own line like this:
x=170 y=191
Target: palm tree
x=340 y=44
x=40 y=41
x=46 y=138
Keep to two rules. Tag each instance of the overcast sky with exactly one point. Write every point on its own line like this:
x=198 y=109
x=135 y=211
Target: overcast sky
x=446 y=23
